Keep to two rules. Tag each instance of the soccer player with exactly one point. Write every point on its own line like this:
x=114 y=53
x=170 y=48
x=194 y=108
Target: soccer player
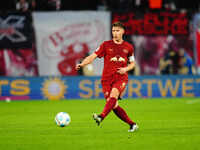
x=118 y=60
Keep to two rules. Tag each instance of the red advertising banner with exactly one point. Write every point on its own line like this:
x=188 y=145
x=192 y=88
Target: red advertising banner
x=153 y=23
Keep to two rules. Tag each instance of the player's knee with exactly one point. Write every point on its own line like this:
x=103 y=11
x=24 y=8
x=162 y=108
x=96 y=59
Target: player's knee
x=114 y=93
x=107 y=99
x=106 y=95
x=115 y=96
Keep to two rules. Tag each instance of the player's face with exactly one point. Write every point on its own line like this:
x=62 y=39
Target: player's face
x=117 y=32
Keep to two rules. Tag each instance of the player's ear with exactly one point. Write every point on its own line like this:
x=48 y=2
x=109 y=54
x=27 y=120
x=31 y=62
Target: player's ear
x=123 y=31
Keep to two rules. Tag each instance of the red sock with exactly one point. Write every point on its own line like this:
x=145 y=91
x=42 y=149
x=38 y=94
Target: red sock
x=120 y=112
x=108 y=107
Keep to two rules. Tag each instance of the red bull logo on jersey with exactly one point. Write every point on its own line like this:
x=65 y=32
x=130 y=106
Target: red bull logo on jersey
x=113 y=59
x=120 y=59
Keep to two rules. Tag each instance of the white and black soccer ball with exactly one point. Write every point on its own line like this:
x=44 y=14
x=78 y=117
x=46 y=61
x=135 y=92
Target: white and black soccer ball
x=62 y=119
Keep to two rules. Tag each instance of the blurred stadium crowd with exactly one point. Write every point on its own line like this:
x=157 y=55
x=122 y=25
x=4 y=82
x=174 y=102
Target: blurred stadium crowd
x=124 y=5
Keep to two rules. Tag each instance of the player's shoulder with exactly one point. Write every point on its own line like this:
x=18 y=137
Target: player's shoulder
x=128 y=44
x=107 y=42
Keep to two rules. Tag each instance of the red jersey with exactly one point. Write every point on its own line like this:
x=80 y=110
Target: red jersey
x=115 y=56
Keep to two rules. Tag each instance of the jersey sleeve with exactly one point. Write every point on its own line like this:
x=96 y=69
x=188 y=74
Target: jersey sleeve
x=100 y=51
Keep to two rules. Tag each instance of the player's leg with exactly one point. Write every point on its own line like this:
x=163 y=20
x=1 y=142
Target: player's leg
x=106 y=87
x=111 y=102
x=120 y=112
x=121 y=94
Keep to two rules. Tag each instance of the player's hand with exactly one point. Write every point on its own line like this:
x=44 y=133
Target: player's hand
x=121 y=70
x=78 y=66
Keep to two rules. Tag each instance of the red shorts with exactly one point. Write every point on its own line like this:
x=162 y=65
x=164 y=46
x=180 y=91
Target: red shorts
x=107 y=86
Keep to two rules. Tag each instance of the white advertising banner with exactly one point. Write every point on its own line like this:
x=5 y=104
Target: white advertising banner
x=64 y=38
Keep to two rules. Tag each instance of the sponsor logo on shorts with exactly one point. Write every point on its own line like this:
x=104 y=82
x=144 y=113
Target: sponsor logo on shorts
x=111 y=50
x=123 y=85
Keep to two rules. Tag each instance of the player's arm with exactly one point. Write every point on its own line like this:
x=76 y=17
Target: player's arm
x=89 y=59
x=130 y=66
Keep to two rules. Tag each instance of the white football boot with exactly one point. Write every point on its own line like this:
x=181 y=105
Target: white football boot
x=133 y=128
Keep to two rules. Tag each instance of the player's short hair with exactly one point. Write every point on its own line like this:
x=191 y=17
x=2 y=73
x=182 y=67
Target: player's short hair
x=118 y=24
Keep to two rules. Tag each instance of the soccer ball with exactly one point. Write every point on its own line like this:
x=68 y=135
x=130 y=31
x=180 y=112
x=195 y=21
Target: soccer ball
x=62 y=119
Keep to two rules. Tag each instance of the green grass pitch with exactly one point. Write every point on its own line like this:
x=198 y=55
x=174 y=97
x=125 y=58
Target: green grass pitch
x=165 y=124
